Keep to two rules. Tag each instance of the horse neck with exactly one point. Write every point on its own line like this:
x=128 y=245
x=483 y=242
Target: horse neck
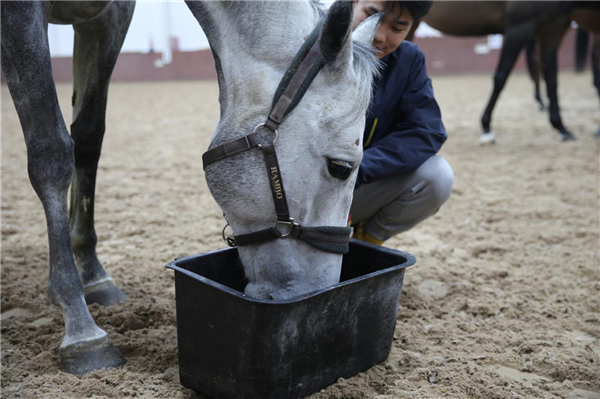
x=254 y=43
x=266 y=29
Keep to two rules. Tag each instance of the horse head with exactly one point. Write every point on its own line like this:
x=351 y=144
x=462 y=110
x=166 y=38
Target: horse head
x=318 y=144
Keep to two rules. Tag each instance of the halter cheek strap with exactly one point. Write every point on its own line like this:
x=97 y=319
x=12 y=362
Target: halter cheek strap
x=291 y=89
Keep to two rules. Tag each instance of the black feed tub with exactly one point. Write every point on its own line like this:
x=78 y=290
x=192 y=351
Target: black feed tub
x=234 y=346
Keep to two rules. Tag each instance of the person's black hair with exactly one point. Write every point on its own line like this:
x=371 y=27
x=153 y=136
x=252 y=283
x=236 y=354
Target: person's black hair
x=418 y=9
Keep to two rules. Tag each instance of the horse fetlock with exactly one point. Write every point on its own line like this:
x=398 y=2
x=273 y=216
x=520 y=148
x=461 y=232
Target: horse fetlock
x=104 y=292
x=90 y=268
x=83 y=244
x=80 y=328
x=485 y=124
x=82 y=335
x=556 y=122
x=98 y=286
x=79 y=324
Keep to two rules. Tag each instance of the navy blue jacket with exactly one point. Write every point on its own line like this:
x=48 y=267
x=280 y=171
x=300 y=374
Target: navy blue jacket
x=404 y=124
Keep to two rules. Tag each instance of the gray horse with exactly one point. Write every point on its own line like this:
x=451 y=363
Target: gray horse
x=253 y=44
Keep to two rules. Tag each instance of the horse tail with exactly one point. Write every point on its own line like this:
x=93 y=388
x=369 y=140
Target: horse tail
x=582 y=40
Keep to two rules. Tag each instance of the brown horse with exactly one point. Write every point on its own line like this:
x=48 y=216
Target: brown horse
x=589 y=23
x=520 y=22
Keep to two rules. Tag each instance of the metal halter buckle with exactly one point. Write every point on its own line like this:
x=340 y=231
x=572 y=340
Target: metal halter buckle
x=263 y=125
x=230 y=241
x=292 y=225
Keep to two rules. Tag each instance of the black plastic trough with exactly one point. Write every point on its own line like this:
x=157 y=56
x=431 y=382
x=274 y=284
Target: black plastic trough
x=234 y=346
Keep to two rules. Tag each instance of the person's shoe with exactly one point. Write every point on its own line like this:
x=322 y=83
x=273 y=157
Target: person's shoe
x=370 y=239
x=360 y=234
x=359 y=231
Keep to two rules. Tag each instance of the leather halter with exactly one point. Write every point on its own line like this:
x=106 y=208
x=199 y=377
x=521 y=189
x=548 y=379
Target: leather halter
x=291 y=89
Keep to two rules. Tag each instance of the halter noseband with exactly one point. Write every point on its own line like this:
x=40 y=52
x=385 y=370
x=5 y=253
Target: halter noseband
x=307 y=63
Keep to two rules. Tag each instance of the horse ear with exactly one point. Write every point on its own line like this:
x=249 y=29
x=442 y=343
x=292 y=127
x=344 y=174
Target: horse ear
x=365 y=32
x=335 y=35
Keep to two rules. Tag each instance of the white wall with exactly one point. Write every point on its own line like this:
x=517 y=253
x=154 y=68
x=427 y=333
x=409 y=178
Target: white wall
x=151 y=24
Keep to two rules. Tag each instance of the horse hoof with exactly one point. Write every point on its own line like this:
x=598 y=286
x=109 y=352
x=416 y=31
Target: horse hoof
x=104 y=293
x=81 y=358
x=487 y=139
x=567 y=137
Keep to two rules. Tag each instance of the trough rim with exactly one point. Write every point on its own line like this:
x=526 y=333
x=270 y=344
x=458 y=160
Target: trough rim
x=410 y=261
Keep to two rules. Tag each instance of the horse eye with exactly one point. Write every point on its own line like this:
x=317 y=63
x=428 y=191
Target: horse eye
x=340 y=169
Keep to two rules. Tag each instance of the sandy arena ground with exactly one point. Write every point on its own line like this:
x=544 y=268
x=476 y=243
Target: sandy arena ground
x=503 y=301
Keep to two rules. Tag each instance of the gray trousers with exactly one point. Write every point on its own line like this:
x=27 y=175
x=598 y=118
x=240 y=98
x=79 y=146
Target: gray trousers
x=398 y=204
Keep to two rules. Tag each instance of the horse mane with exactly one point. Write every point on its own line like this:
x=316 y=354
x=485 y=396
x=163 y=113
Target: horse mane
x=366 y=65
x=367 y=68
x=319 y=7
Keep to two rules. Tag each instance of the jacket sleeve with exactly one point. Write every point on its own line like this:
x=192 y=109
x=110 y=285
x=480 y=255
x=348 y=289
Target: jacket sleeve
x=417 y=135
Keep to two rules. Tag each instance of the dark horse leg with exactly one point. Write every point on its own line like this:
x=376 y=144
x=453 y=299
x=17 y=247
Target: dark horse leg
x=533 y=67
x=550 y=38
x=596 y=66
x=97 y=45
x=582 y=40
x=50 y=163
x=515 y=38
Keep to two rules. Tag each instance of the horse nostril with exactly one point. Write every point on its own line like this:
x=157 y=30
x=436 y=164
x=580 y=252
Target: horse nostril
x=271 y=297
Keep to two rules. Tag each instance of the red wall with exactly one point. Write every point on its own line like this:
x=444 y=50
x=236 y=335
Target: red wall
x=455 y=55
x=445 y=55
x=140 y=67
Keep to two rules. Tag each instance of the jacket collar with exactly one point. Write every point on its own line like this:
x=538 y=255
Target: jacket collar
x=392 y=57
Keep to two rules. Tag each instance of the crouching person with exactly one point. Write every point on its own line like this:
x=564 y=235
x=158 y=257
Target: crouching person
x=401 y=181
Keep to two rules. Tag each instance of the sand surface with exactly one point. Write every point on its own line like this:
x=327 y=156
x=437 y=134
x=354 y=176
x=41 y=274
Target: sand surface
x=503 y=302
